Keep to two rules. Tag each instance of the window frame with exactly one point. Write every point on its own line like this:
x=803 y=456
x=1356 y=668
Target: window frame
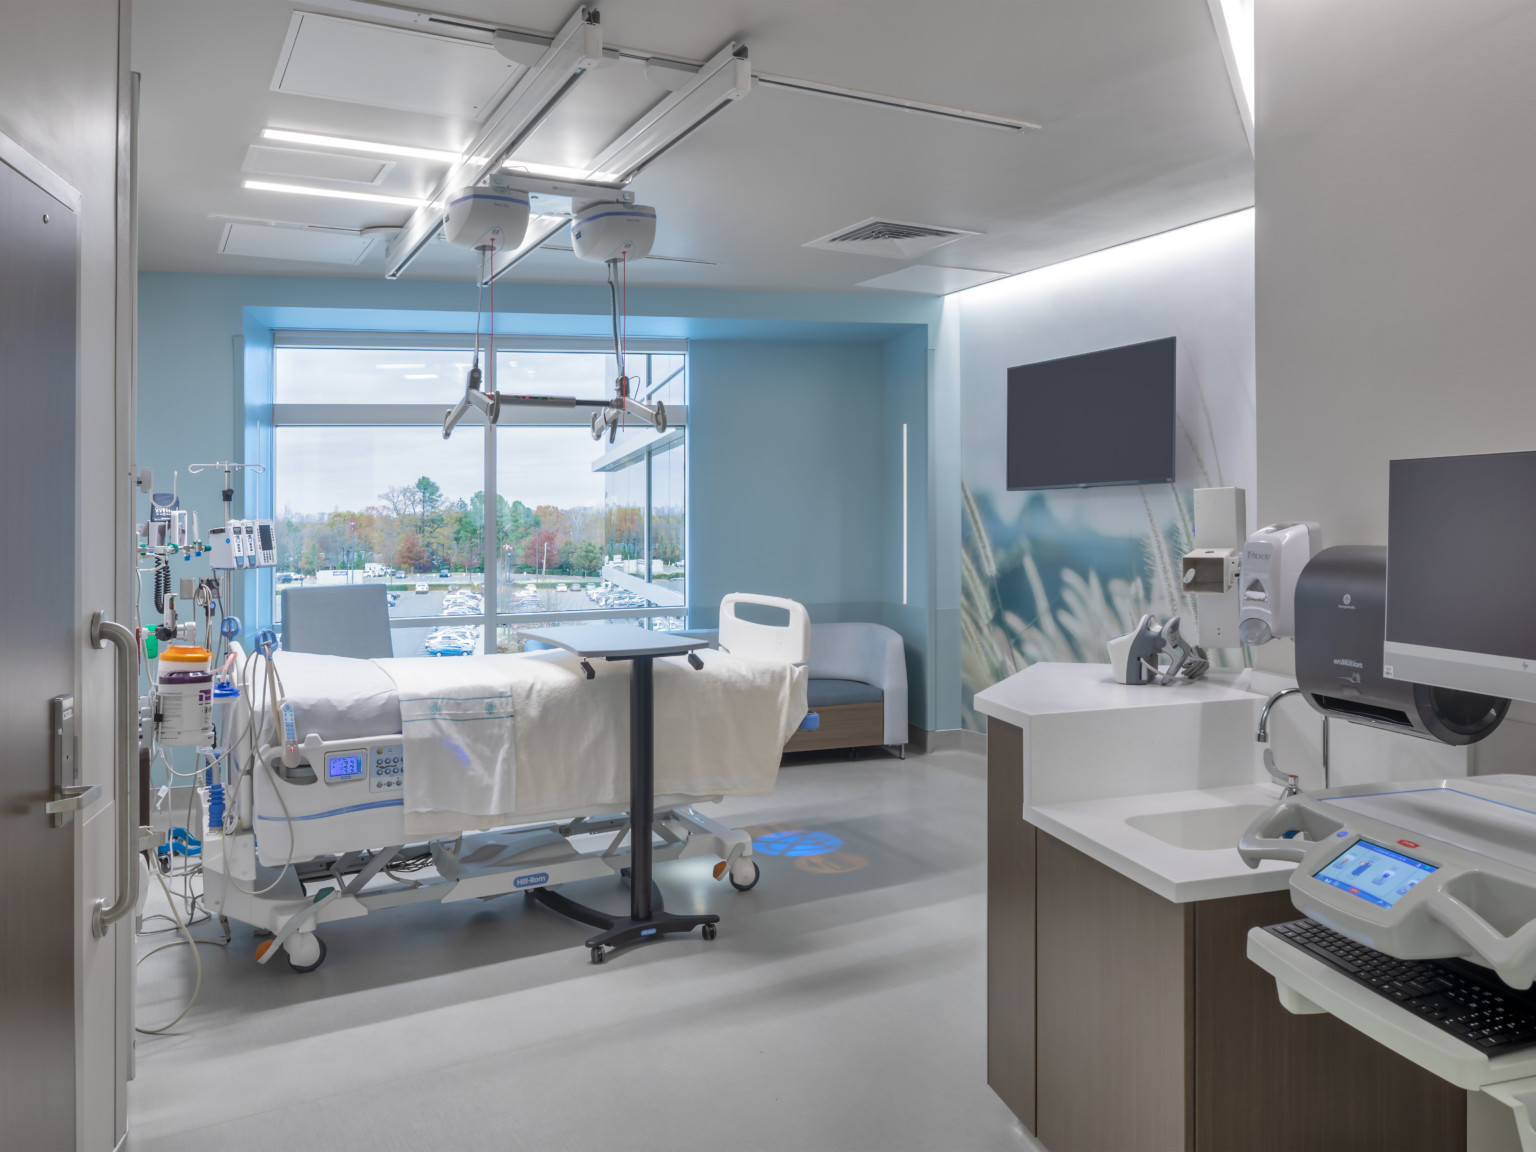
x=492 y=618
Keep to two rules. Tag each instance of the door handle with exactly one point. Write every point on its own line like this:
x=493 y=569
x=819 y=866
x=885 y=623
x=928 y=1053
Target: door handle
x=72 y=799
x=126 y=885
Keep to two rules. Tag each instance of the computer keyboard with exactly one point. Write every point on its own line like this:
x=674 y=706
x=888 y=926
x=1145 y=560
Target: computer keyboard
x=1469 y=1002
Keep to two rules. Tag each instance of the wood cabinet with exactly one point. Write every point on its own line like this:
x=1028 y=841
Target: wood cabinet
x=1118 y=1020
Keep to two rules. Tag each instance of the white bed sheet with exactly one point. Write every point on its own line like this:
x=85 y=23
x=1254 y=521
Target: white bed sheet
x=719 y=731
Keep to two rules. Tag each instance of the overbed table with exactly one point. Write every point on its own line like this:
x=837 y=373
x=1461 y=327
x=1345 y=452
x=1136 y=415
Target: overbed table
x=648 y=916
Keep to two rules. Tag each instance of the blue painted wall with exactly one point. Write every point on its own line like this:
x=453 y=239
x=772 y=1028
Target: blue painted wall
x=797 y=402
x=785 y=476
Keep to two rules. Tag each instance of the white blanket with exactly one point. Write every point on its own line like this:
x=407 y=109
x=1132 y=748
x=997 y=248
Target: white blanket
x=457 y=721
x=517 y=737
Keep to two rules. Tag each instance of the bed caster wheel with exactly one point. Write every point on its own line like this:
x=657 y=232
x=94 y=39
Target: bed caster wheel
x=710 y=930
x=318 y=960
x=598 y=955
x=757 y=874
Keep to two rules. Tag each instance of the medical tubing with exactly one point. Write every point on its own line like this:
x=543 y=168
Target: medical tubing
x=233 y=795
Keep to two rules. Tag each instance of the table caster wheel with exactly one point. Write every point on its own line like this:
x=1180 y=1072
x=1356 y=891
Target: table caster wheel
x=709 y=930
x=598 y=955
x=757 y=874
x=319 y=960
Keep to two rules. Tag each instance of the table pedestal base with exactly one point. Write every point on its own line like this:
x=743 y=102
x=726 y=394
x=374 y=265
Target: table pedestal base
x=620 y=931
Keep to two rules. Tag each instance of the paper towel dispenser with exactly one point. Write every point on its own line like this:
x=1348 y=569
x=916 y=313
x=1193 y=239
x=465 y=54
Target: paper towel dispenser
x=1340 y=620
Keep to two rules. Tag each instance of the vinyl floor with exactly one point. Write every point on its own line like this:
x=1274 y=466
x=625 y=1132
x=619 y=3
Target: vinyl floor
x=841 y=1007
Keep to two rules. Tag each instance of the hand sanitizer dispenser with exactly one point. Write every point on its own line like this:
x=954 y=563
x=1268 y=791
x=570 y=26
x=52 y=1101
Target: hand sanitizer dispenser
x=1273 y=558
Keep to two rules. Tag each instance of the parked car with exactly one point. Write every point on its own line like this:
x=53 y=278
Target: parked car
x=422 y=587
x=444 y=573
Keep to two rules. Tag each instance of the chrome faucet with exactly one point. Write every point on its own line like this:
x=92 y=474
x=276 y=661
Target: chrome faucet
x=1262 y=736
x=1290 y=780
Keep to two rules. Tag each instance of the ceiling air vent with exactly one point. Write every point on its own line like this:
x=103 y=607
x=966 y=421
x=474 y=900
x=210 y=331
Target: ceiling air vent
x=898 y=239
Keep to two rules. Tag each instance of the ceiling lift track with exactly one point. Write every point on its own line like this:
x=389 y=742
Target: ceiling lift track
x=725 y=78
x=576 y=49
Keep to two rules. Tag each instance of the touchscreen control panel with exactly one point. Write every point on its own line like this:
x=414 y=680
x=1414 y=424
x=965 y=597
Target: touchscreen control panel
x=1375 y=874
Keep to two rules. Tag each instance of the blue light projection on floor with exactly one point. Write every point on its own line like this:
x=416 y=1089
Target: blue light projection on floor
x=797 y=844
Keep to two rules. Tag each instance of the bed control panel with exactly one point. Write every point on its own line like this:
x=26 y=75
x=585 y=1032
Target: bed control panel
x=386 y=768
x=345 y=765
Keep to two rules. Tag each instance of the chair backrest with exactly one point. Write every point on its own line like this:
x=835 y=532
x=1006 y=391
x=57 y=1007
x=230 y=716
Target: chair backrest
x=348 y=620
x=789 y=642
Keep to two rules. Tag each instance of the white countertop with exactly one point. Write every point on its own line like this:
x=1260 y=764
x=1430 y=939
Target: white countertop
x=1098 y=828
x=1051 y=689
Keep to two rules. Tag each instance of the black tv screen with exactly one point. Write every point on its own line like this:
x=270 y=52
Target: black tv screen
x=1103 y=417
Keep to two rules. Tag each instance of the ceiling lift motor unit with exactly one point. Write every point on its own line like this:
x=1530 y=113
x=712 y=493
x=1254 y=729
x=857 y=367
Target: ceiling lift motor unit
x=487 y=219
x=611 y=230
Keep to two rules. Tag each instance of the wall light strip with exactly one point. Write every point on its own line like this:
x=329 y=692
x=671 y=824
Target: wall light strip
x=333 y=193
x=903 y=513
x=440 y=155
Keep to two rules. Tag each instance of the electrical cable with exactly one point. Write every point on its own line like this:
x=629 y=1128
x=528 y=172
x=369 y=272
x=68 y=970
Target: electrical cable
x=162 y=583
x=190 y=940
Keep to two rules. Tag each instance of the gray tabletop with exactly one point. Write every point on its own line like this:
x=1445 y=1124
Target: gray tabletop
x=614 y=641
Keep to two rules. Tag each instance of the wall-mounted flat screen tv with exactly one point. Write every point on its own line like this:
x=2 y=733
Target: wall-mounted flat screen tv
x=1104 y=417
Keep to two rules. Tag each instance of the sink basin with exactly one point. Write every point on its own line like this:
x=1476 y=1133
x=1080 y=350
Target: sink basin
x=1199 y=829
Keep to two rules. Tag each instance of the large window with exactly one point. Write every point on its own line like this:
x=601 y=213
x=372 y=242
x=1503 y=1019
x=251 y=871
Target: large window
x=366 y=490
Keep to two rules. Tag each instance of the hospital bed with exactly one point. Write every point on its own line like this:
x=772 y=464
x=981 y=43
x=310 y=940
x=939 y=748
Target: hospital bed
x=360 y=785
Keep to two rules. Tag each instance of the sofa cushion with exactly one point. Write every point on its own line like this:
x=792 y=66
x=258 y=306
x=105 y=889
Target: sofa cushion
x=825 y=693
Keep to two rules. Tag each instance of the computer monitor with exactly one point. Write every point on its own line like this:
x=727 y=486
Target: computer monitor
x=1461 y=573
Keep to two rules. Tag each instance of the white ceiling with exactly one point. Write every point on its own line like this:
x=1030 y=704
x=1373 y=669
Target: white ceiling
x=1141 y=133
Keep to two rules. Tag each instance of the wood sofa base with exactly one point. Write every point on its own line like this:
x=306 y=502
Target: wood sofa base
x=842 y=726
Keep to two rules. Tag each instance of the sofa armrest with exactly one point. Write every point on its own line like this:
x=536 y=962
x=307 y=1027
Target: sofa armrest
x=872 y=653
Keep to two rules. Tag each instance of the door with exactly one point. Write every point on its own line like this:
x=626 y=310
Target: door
x=38 y=394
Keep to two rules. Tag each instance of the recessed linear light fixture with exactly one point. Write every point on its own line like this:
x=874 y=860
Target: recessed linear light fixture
x=333 y=193
x=404 y=365
x=440 y=155
x=437 y=155
x=421 y=375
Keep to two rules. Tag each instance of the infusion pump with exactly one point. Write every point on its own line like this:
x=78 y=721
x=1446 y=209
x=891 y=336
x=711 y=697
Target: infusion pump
x=243 y=544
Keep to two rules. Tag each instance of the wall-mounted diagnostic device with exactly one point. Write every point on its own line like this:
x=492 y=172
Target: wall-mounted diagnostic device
x=1210 y=571
x=1273 y=558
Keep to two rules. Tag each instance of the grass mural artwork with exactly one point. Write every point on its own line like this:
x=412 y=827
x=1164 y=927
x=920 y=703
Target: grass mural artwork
x=1028 y=598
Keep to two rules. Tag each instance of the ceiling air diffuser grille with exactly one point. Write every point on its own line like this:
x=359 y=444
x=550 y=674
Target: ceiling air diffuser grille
x=897 y=239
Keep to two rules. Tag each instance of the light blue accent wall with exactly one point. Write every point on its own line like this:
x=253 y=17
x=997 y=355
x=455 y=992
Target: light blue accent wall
x=796 y=399
x=785 y=460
